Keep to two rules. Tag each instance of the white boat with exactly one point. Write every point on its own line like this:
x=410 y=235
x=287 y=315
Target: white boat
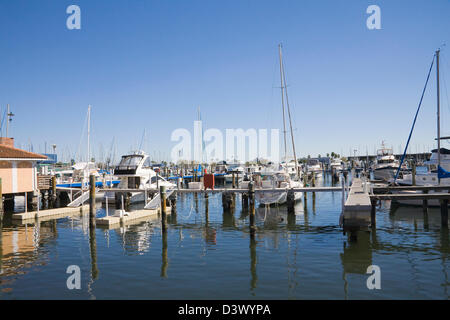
x=291 y=168
x=135 y=172
x=251 y=170
x=279 y=179
x=386 y=165
x=238 y=173
x=314 y=166
x=336 y=165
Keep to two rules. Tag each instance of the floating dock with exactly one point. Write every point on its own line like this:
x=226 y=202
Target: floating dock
x=133 y=216
x=49 y=213
x=357 y=207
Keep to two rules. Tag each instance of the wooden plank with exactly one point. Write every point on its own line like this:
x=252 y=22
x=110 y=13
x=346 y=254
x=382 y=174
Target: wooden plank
x=404 y=188
x=417 y=196
x=50 y=213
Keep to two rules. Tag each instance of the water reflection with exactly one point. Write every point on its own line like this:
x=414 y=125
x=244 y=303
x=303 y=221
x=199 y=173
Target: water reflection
x=164 y=257
x=253 y=263
x=281 y=252
x=22 y=247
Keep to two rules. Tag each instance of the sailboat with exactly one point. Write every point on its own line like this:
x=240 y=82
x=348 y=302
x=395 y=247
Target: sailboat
x=281 y=178
x=438 y=172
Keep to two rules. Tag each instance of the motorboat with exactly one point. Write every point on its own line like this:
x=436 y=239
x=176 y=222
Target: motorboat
x=135 y=172
x=238 y=173
x=314 y=166
x=280 y=179
x=386 y=165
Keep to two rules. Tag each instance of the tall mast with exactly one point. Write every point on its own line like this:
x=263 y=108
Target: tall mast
x=290 y=123
x=282 y=100
x=438 y=114
x=89 y=136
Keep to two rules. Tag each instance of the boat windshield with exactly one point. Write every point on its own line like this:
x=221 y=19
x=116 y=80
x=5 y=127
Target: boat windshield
x=130 y=161
x=384 y=152
x=385 y=161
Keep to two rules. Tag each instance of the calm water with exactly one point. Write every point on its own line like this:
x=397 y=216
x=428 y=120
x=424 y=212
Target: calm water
x=207 y=254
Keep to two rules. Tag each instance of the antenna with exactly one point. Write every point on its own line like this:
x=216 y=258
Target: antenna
x=9 y=115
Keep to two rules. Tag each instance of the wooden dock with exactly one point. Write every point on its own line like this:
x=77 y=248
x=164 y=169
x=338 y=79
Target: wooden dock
x=356 y=212
x=112 y=222
x=48 y=214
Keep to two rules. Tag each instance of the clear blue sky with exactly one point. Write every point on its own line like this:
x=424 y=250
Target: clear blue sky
x=150 y=64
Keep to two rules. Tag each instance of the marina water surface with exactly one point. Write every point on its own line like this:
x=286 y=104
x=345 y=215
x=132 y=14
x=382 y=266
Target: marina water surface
x=209 y=254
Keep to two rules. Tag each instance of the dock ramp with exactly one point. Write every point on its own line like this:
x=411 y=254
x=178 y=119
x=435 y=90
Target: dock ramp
x=155 y=203
x=80 y=200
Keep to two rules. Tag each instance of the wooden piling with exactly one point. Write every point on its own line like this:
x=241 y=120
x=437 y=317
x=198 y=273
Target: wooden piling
x=425 y=202
x=290 y=200
x=228 y=201
x=245 y=201
x=53 y=191
x=93 y=249
x=373 y=212
x=164 y=256
x=234 y=181
x=444 y=212
x=251 y=194
x=162 y=192
x=413 y=173
x=1 y=200
x=92 y=210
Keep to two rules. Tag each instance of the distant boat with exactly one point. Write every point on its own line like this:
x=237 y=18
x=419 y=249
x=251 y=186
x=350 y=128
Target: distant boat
x=314 y=166
x=386 y=165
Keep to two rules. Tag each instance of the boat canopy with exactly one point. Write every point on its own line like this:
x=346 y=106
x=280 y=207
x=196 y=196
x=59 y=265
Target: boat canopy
x=443 y=151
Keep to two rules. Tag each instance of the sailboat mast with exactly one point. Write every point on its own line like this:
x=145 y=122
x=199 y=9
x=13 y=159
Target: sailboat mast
x=89 y=135
x=438 y=114
x=282 y=100
x=290 y=124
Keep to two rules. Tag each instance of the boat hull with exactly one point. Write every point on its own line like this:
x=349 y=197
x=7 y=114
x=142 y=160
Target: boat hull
x=385 y=174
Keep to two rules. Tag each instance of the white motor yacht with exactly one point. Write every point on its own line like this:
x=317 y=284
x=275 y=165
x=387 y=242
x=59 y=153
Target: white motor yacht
x=135 y=172
x=386 y=165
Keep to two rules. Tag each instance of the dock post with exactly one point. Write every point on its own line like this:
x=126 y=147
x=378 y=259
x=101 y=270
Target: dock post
x=1 y=200
x=245 y=201
x=425 y=202
x=343 y=192
x=373 y=211
x=164 y=256
x=162 y=192
x=290 y=199
x=251 y=193
x=413 y=173
x=234 y=181
x=227 y=201
x=313 y=182
x=53 y=191
x=444 y=212
x=93 y=249
x=92 y=199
